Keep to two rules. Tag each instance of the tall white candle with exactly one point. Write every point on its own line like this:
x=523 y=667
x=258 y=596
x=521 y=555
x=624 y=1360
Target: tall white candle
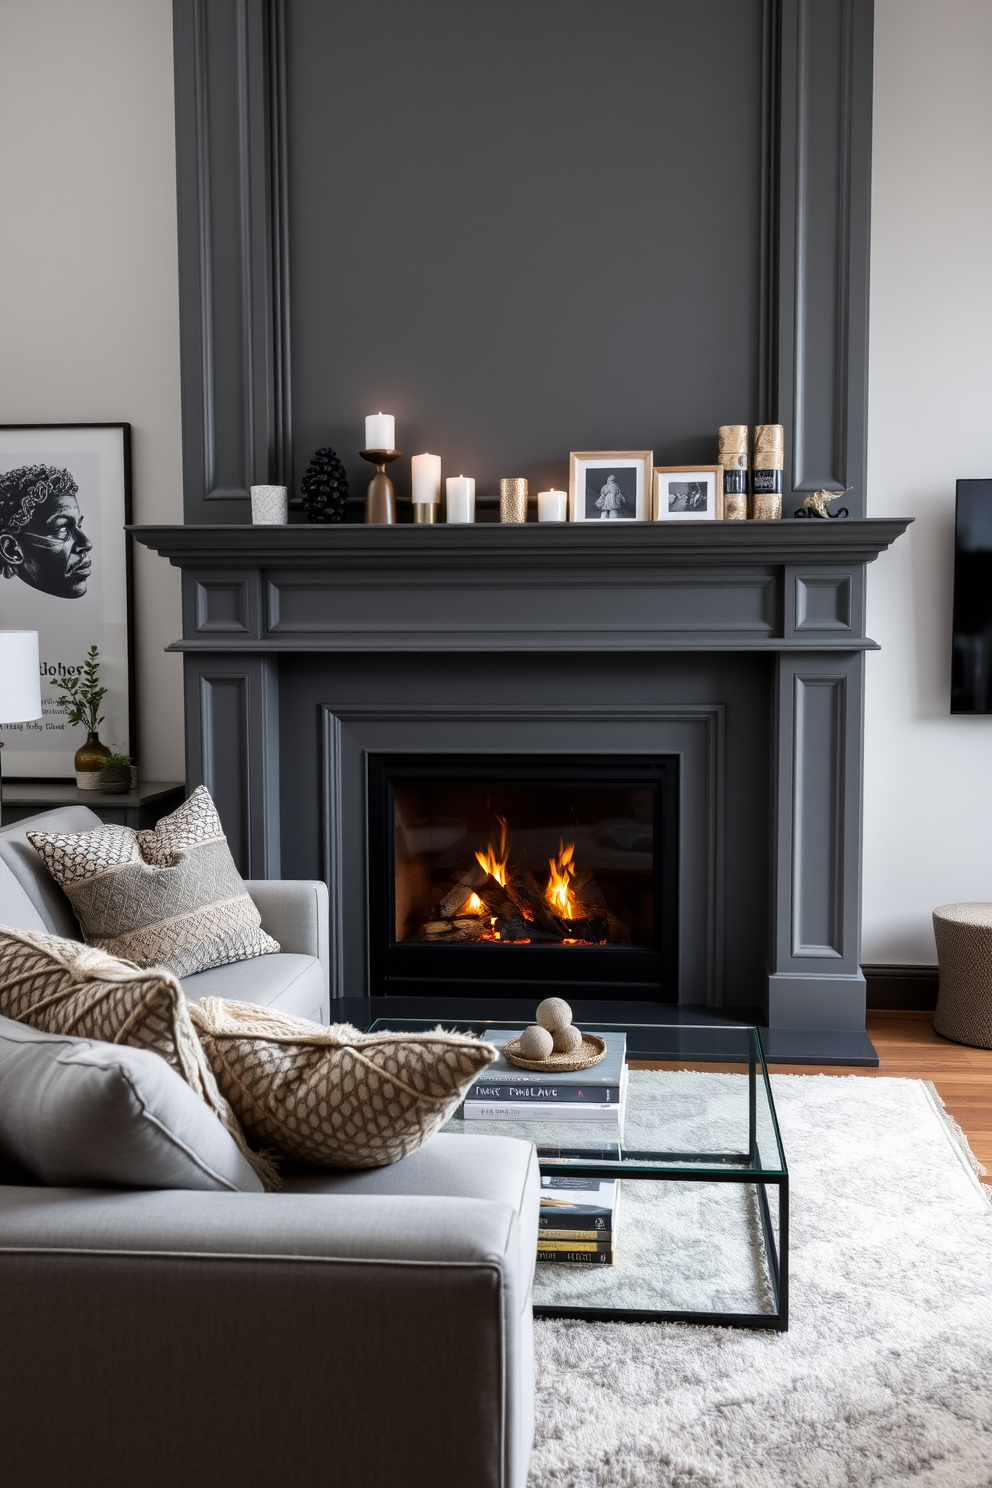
x=460 y=498
x=425 y=471
x=380 y=431
x=552 y=506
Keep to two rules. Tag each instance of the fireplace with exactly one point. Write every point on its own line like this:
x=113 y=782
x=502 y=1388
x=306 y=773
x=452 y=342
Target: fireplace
x=344 y=684
x=517 y=875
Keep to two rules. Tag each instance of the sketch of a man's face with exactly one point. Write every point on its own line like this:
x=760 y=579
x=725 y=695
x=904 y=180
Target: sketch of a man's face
x=42 y=540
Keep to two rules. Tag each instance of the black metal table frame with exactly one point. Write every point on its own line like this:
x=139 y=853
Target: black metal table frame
x=777 y=1254
x=745 y=1167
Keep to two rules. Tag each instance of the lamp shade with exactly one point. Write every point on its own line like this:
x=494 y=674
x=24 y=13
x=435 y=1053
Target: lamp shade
x=20 y=676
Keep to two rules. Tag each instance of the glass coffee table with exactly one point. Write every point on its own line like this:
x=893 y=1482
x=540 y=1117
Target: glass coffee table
x=697 y=1240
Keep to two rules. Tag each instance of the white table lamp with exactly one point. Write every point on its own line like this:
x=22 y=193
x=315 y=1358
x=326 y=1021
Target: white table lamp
x=20 y=679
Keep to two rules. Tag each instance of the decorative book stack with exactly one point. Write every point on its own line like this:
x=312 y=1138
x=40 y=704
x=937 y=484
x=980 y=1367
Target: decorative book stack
x=507 y=1093
x=577 y=1224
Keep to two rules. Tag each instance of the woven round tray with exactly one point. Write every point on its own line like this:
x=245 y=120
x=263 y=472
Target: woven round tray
x=591 y=1050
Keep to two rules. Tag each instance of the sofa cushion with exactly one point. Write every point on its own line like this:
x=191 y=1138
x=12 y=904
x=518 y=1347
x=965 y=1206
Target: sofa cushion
x=333 y=1096
x=20 y=858
x=76 y=1112
x=296 y=983
x=501 y=1169
x=61 y=986
x=169 y=896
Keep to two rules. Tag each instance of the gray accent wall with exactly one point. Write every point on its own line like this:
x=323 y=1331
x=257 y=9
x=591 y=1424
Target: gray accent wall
x=522 y=228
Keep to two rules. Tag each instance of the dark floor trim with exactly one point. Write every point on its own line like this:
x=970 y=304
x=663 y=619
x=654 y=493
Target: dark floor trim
x=903 y=988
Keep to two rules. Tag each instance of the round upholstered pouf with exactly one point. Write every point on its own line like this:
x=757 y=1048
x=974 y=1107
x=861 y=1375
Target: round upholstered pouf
x=964 y=952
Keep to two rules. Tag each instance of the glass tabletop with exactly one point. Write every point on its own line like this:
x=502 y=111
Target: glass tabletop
x=703 y=1111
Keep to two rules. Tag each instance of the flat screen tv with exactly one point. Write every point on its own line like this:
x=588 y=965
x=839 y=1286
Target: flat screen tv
x=971 y=664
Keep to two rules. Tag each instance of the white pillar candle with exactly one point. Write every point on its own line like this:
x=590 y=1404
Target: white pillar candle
x=460 y=498
x=380 y=431
x=425 y=471
x=552 y=506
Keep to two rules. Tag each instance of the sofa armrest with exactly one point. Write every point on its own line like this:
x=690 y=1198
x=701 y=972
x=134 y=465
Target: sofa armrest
x=295 y=913
x=360 y=1340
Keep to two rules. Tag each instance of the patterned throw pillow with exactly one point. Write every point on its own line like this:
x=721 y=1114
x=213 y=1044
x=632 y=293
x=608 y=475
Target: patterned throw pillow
x=334 y=1097
x=62 y=986
x=170 y=896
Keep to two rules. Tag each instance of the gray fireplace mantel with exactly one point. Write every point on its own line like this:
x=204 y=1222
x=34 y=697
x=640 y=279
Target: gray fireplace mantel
x=654 y=586
x=308 y=648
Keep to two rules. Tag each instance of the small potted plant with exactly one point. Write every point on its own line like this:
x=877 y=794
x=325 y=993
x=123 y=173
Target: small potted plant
x=115 y=774
x=81 y=698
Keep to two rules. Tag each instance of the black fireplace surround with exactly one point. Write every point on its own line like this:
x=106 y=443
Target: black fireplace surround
x=716 y=667
x=585 y=850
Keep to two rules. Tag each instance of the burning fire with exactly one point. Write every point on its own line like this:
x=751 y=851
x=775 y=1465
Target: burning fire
x=496 y=866
x=558 y=892
x=474 y=905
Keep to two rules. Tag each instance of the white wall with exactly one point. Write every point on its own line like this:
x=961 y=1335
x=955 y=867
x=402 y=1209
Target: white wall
x=928 y=795
x=89 y=326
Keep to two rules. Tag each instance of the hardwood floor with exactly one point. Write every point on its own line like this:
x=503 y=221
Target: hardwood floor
x=908 y=1047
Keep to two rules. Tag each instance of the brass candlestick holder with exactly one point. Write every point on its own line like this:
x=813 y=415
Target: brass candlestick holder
x=380 y=498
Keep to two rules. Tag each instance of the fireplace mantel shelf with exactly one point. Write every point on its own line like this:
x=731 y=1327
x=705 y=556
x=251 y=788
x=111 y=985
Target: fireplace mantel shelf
x=759 y=586
x=498 y=546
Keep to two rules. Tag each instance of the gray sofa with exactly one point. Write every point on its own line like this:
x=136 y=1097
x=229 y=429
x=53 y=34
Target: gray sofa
x=360 y=1329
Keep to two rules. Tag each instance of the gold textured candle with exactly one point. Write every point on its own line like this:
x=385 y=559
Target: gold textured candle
x=513 y=499
x=733 y=458
x=767 y=472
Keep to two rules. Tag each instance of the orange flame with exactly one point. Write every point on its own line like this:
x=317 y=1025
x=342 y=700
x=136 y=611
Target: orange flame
x=474 y=905
x=496 y=866
x=558 y=892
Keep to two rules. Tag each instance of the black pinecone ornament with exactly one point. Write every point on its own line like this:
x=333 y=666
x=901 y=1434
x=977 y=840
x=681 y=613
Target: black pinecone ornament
x=325 y=488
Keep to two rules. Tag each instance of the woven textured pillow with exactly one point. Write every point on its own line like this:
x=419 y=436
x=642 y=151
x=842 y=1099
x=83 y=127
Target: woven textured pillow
x=62 y=986
x=334 y=1097
x=170 y=896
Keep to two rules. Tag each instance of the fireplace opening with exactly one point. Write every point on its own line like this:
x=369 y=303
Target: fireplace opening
x=506 y=874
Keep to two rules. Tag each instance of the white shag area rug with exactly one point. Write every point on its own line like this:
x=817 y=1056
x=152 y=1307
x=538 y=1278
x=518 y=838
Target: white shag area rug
x=885 y=1375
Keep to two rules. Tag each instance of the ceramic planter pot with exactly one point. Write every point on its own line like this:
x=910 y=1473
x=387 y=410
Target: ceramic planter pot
x=89 y=762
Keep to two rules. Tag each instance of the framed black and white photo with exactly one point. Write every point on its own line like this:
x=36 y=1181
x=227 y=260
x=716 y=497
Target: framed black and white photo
x=65 y=571
x=688 y=493
x=610 y=485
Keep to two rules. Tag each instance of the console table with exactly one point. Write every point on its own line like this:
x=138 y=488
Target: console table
x=141 y=807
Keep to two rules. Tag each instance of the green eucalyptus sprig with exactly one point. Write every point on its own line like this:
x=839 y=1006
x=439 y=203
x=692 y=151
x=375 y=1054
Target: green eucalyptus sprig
x=81 y=696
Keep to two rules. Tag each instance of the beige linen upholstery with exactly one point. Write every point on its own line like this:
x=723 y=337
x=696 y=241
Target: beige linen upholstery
x=169 y=896
x=333 y=1096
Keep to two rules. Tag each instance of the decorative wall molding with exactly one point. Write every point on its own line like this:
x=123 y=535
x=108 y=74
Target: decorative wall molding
x=232 y=747
x=233 y=250
x=233 y=151
x=820 y=207
x=721 y=585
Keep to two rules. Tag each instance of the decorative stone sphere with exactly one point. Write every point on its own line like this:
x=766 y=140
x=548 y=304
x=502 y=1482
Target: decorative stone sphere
x=566 y=1039
x=554 y=1013
x=536 y=1043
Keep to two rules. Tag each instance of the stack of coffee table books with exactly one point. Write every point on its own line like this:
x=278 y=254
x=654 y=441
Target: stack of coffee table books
x=506 y=1093
x=577 y=1224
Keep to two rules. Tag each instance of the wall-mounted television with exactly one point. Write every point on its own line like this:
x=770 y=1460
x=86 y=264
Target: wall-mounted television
x=971 y=664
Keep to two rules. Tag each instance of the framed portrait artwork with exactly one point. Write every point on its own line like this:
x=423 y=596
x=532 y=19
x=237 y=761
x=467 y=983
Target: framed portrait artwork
x=65 y=571
x=688 y=493
x=610 y=485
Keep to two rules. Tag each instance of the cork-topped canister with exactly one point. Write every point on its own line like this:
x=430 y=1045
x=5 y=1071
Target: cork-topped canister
x=963 y=933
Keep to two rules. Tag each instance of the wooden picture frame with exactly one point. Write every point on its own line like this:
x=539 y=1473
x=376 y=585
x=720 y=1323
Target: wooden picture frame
x=610 y=485
x=669 y=503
